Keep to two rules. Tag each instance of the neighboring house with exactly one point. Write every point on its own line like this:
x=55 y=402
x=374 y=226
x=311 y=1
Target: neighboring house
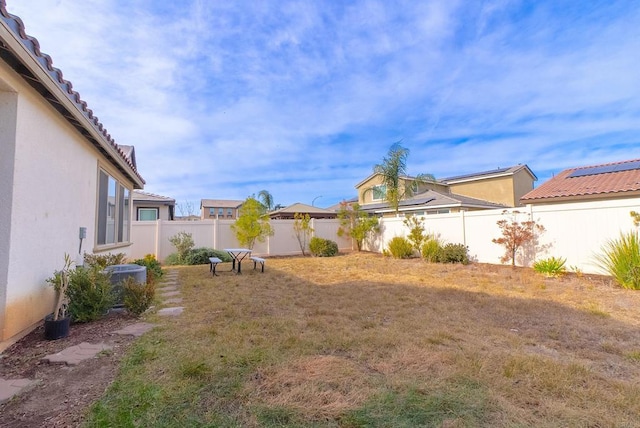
x=498 y=188
x=219 y=208
x=502 y=186
x=65 y=184
x=291 y=210
x=618 y=180
x=150 y=207
x=431 y=202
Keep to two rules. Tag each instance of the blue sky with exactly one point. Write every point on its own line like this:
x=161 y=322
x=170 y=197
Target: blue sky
x=223 y=99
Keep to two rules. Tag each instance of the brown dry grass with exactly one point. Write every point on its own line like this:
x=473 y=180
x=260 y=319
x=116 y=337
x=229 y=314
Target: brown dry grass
x=364 y=340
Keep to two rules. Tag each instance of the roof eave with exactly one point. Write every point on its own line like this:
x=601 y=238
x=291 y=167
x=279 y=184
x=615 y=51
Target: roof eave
x=580 y=198
x=87 y=121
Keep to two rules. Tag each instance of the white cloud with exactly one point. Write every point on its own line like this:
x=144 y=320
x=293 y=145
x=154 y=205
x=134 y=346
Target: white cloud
x=223 y=99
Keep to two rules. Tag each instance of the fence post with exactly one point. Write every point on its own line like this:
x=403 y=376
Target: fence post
x=216 y=230
x=158 y=234
x=464 y=228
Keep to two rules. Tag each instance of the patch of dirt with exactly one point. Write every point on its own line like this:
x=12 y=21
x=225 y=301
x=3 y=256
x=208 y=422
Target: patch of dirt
x=63 y=393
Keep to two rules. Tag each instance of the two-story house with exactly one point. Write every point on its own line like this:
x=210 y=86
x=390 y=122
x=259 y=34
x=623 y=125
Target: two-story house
x=219 y=209
x=499 y=188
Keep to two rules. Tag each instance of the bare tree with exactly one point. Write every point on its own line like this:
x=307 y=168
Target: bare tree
x=186 y=209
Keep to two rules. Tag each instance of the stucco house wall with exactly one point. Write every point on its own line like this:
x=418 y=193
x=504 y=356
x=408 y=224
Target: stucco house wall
x=499 y=189
x=163 y=206
x=48 y=181
x=505 y=189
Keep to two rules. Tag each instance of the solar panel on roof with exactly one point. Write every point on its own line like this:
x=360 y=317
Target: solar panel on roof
x=627 y=166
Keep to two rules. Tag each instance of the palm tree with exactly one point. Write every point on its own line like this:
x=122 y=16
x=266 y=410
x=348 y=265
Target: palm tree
x=393 y=171
x=266 y=199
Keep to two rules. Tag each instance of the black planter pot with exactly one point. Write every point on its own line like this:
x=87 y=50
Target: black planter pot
x=56 y=329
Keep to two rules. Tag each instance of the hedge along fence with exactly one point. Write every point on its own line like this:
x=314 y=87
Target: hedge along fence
x=576 y=231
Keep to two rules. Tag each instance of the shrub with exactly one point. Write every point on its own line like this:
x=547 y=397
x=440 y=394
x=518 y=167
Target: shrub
x=101 y=261
x=454 y=253
x=551 y=267
x=90 y=295
x=400 y=248
x=320 y=247
x=172 y=260
x=200 y=256
x=417 y=234
x=137 y=297
x=621 y=259
x=154 y=270
x=431 y=250
x=183 y=242
x=516 y=235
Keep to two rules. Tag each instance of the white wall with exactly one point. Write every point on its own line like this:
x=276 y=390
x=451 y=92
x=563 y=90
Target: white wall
x=153 y=237
x=54 y=186
x=575 y=231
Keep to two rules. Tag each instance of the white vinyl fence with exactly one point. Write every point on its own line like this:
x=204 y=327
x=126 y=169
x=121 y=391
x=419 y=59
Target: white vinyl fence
x=576 y=231
x=152 y=237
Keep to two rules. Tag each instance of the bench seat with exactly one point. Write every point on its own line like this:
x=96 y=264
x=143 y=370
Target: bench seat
x=257 y=260
x=213 y=262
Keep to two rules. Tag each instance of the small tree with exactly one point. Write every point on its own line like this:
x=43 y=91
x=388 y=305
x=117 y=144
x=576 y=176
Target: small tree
x=416 y=231
x=516 y=235
x=252 y=224
x=183 y=242
x=302 y=229
x=356 y=223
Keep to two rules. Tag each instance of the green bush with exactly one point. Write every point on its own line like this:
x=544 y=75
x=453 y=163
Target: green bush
x=454 y=253
x=90 y=294
x=320 y=247
x=200 y=256
x=183 y=242
x=137 y=297
x=400 y=248
x=551 y=267
x=172 y=260
x=101 y=261
x=431 y=250
x=154 y=270
x=621 y=259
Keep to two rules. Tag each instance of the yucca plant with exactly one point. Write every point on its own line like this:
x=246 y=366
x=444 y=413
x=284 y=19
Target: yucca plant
x=621 y=259
x=551 y=267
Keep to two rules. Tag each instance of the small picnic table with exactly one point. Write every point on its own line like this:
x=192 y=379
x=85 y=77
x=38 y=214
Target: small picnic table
x=237 y=255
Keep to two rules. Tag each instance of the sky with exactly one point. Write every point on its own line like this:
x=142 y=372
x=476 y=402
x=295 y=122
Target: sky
x=223 y=99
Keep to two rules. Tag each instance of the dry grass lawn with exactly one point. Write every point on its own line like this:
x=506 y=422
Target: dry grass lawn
x=361 y=340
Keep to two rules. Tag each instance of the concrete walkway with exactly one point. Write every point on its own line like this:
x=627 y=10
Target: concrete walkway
x=168 y=291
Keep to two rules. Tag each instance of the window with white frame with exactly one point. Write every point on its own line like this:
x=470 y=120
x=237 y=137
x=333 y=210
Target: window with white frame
x=147 y=214
x=114 y=202
x=212 y=212
x=379 y=192
x=220 y=212
x=229 y=212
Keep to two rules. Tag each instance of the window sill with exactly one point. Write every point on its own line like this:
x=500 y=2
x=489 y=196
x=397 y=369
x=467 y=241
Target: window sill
x=108 y=247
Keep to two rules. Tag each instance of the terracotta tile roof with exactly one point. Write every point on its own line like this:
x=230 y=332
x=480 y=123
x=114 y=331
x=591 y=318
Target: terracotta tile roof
x=32 y=46
x=611 y=179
